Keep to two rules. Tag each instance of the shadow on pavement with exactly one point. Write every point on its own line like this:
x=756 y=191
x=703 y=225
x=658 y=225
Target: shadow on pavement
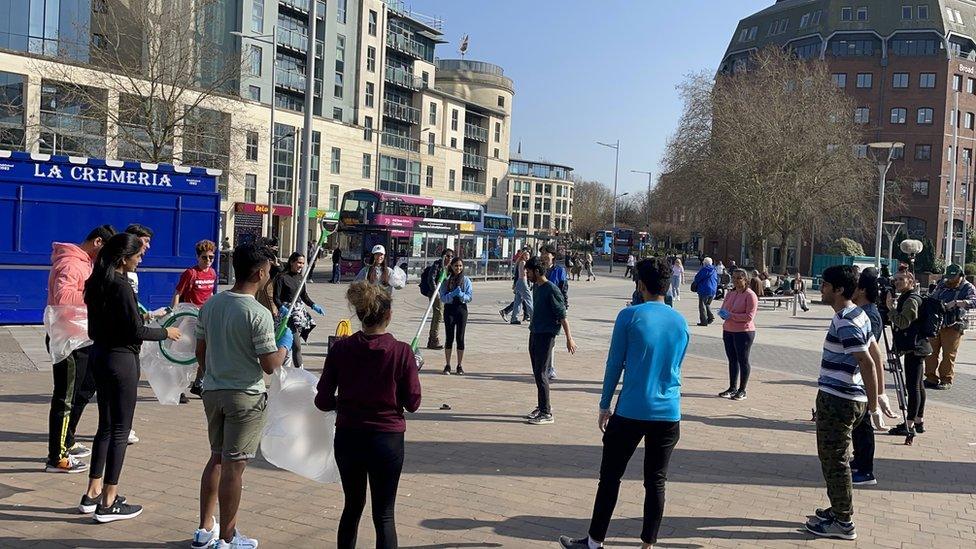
x=25 y=399
x=16 y=543
x=452 y=545
x=747 y=422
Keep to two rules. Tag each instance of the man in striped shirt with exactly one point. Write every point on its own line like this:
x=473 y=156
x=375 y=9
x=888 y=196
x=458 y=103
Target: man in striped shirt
x=848 y=388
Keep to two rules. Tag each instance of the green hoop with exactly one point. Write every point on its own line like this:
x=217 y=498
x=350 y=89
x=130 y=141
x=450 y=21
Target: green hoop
x=169 y=322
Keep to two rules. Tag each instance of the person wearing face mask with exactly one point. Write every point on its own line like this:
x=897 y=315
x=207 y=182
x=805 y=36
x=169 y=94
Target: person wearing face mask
x=958 y=295
x=455 y=293
x=117 y=331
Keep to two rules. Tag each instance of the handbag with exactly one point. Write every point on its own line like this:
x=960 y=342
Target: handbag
x=694 y=285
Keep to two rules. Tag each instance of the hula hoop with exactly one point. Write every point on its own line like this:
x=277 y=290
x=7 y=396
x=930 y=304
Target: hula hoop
x=167 y=324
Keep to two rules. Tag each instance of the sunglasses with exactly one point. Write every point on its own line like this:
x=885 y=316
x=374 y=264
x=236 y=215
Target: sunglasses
x=208 y=257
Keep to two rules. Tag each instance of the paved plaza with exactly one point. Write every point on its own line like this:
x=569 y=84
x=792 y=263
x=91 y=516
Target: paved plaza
x=745 y=474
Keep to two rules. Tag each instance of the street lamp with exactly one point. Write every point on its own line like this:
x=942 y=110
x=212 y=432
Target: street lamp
x=616 y=165
x=268 y=39
x=891 y=229
x=883 y=167
x=649 y=177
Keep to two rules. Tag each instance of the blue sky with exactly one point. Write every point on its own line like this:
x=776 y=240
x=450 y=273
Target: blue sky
x=588 y=70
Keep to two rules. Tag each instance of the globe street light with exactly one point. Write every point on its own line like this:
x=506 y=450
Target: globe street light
x=883 y=167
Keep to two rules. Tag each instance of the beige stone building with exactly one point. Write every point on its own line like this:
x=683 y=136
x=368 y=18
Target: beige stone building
x=540 y=197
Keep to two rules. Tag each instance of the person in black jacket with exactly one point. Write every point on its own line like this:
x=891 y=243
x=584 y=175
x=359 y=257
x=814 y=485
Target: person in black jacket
x=117 y=331
x=299 y=321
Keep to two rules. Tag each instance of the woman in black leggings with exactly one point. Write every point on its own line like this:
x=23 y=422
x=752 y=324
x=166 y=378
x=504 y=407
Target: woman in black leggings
x=904 y=316
x=299 y=320
x=455 y=294
x=375 y=378
x=738 y=333
x=117 y=332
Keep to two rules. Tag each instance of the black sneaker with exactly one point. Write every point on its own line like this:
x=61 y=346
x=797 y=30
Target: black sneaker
x=447 y=370
x=196 y=388
x=824 y=514
x=739 y=395
x=515 y=322
x=119 y=510
x=832 y=528
x=542 y=419
x=901 y=430
x=532 y=414
x=88 y=505
x=460 y=370
x=943 y=386
x=919 y=427
x=930 y=384
x=570 y=543
x=183 y=399
x=728 y=393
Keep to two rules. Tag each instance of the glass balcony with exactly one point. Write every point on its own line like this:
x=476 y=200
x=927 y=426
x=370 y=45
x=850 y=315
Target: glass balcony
x=474 y=161
x=402 y=78
x=472 y=186
x=290 y=80
x=401 y=142
x=401 y=112
x=292 y=40
x=477 y=133
x=299 y=5
x=408 y=45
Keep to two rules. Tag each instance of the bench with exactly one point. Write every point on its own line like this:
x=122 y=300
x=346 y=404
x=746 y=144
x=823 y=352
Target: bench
x=777 y=301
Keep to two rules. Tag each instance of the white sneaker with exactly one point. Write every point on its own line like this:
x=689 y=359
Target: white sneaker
x=132 y=436
x=203 y=538
x=239 y=542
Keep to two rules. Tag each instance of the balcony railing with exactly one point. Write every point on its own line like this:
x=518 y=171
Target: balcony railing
x=472 y=186
x=300 y=5
x=293 y=40
x=401 y=112
x=290 y=80
x=477 y=133
x=407 y=45
x=402 y=78
x=474 y=161
x=401 y=142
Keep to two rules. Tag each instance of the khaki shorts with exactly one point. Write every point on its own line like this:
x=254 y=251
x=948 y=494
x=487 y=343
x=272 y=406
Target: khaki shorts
x=235 y=420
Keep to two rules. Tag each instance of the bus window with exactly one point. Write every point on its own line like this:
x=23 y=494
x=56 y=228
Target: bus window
x=351 y=245
x=358 y=208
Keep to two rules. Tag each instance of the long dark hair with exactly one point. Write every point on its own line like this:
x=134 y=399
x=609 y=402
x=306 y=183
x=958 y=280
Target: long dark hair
x=115 y=251
x=454 y=280
x=293 y=258
x=371 y=274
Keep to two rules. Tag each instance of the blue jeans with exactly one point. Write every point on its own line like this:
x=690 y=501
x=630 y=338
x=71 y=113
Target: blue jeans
x=523 y=297
x=336 y=273
x=675 y=286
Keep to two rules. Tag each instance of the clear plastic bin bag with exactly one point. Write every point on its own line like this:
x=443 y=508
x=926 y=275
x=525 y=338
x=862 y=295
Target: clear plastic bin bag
x=67 y=328
x=170 y=366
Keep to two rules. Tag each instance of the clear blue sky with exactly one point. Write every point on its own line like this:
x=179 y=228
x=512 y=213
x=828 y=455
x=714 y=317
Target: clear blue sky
x=589 y=70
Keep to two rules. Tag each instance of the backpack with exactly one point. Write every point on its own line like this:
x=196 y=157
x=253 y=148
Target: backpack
x=426 y=282
x=931 y=313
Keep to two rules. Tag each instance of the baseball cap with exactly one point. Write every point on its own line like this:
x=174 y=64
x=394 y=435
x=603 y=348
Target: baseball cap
x=953 y=270
x=379 y=249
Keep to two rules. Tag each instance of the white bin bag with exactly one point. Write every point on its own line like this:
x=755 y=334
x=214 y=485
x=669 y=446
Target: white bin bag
x=298 y=437
x=67 y=327
x=170 y=366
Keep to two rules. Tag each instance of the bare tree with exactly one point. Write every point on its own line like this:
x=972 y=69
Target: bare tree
x=592 y=201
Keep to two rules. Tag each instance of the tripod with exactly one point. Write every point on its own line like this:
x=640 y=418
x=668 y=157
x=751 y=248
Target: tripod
x=894 y=365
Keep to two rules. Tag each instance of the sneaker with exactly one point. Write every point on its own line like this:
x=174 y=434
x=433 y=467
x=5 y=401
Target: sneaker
x=502 y=314
x=900 y=430
x=79 y=451
x=919 y=427
x=447 y=370
x=132 y=436
x=515 y=322
x=863 y=479
x=532 y=414
x=183 y=399
x=824 y=514
x=460 y=370
x=239 y=542
x=66 y=465
x=434 y=345
x=196 y=388
x=570 y=543
x=930 y=384
x=88 y=505
x=119 y=510
x=833 y=528
x=203 y=538
x=542 y=419
x=728 y=393
x=944 y=386
x=739 y=395
x=552 y=374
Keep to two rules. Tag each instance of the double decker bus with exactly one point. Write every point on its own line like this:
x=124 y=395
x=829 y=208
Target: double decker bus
x=602 y=241
x=623 y=243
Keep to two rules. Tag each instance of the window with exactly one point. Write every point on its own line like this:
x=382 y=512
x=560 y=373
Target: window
x=451 y=180
x=454 y=119
x=340 y=63
x=970 y=85
x=923 y=152
x=853 y=48
x=454 y=142
x=433 y=114
x=251 y=148
x=372 y=22
x=283 y=167
x=430 y=143
x=370 y=94
x=367 y=163
x=257 y=16
x=865 y=80
x=862 y=14
x=923 y=12
x=752 y=33
x=371 y=59
x=906 y=13
x=952 y=117
x=847 y=14
x=926 y=80
x=254 y=93
x=915 y=46
x=341 y=11
x=498 y=132
x=368 y=128
x=336 y=156
x=804 y=20
x=815 y=20
x=743 y=35
x=949 y=14
x=925 y=115
x=840 y=79
x=337 y=89
x=899 y=115
x=256 y=55
x=337 y=113
x=496 y=152
x=430 y=177
x=969 y=120
x=501 y=101
x=898 y=153
x=957 y=82
x=250 y=188
x=860 y=151
x=959 y=18
x=920 y=187
x=334 y=197
x=425 y=78
x=899 y=80
x=494 y=187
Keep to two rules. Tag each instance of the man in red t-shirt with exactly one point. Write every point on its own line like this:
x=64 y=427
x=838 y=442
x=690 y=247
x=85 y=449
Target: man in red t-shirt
x=197 y=283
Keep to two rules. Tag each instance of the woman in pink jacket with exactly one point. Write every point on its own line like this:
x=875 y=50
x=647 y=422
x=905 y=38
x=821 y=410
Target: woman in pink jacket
x=738 y=332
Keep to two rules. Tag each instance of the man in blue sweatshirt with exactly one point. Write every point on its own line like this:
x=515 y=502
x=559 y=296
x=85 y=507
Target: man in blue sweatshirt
x=649 y=341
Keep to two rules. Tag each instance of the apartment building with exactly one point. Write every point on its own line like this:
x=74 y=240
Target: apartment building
x=540 y=197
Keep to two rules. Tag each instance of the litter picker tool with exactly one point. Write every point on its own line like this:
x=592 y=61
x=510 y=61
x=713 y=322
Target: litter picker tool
x=415 y=344
x=328 y=227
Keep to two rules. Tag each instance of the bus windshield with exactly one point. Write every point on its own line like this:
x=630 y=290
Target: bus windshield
x=358 y=208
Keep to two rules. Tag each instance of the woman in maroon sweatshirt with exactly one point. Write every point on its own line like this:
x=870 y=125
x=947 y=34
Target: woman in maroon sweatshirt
x=369 y=379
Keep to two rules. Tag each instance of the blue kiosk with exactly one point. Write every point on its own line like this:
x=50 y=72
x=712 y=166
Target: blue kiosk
x=45 y=199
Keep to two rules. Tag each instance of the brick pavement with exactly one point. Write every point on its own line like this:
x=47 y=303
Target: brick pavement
x=744 y=475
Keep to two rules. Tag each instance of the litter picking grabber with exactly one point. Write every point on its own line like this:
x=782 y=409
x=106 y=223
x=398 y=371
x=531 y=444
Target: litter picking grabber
x=328 y=227
x=415 y=344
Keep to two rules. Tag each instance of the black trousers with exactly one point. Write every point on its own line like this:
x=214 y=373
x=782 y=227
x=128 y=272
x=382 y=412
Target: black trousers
x=116 y=374
x=619 y=443
x=376 y=458
x=737 y=348
x=914 y=372
x=296 y=348
x=862 y=438
x=74 y=388
x=455 y=321
x=540 y=353
x=705 y=315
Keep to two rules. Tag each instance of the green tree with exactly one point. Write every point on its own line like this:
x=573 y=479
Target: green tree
x=845 y=246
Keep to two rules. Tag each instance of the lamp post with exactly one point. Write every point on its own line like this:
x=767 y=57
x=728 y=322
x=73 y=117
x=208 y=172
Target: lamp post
x=616 y=165
x=649 y=178
x=303 y=186
x=269 y=40
x=891 y=229
x=883 y=167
